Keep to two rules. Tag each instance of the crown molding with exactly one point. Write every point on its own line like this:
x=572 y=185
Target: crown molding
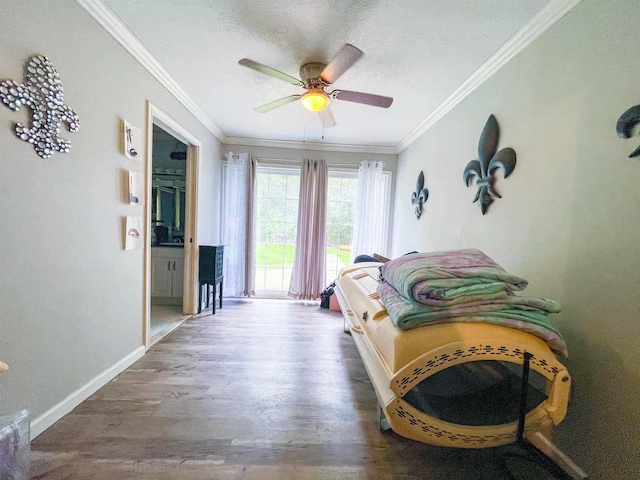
x=125 y=37
x=326 y=147
x=546 y=17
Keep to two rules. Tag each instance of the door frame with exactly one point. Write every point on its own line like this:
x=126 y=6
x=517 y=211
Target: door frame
x=190 y=291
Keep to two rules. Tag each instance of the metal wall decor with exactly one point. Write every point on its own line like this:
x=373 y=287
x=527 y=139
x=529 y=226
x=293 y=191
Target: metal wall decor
x=626 y=123
x=489 y=161
x=42 y=92
x=419 y=196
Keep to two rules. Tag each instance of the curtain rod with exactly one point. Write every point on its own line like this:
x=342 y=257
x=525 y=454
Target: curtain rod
x=276 y=160
x=284 y=161
x=297 y=162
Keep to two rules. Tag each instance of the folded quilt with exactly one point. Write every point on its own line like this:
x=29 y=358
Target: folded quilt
x=449 y=278
x=523 y=313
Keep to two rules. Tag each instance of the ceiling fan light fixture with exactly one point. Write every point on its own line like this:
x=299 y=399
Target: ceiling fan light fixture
x=315 y=100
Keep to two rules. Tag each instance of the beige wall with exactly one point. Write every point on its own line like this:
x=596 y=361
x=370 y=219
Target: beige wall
x=71 y=298
x=569 y=217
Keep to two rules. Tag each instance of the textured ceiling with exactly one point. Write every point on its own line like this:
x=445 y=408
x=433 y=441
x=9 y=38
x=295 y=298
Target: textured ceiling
x=418 y=52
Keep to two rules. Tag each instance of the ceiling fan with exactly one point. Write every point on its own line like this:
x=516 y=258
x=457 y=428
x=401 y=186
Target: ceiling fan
x=316 y=77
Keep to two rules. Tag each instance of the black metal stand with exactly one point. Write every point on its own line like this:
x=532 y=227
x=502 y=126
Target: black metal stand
x=524 y=449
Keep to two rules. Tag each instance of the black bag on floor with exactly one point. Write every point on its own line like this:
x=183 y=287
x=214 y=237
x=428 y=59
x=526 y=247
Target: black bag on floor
x=324 y=296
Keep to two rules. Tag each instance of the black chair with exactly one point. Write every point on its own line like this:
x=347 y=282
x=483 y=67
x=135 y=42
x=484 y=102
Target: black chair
x=210 y=273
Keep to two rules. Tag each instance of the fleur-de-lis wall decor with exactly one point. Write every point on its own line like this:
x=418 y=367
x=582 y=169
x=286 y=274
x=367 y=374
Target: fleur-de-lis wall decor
x=419 y=196
x=42 y=92
x=489 y=161
x=626 y=123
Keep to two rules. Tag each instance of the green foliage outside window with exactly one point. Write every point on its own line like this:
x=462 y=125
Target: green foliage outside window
x=277 y=216
x=282 y=255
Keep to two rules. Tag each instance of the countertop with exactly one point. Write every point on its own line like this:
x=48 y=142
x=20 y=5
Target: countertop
x=167 y=244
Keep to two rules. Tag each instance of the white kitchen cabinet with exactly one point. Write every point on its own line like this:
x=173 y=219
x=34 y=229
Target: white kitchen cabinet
x=167 y=275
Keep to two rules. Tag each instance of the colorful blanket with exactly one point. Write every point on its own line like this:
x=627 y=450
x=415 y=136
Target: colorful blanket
x=449 y=278
x=523 y=313
x=462 y=286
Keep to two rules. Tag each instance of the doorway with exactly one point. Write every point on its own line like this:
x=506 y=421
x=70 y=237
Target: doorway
x=168 y=195
x=170 y=224
x=277 y=189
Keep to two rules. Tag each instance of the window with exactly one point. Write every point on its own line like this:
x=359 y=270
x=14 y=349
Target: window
x=341 y=203
x=277 y=190
x=277 y=216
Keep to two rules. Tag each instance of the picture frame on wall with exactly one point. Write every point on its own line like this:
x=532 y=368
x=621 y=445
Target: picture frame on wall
x=136 y=189
x=133 y=233
x=132 y=141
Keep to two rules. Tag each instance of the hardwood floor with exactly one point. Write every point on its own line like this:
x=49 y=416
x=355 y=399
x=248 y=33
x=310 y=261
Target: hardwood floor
x=263 y=389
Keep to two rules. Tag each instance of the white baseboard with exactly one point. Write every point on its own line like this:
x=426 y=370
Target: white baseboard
x=55 y=413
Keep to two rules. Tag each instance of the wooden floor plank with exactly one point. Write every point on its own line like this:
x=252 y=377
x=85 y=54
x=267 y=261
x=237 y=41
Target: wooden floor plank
x=263 y=389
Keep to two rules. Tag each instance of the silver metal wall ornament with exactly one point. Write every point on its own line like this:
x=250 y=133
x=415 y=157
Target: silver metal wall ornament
x=626 y=123
x=419 y=196
x=489 y=161
x=42 y=92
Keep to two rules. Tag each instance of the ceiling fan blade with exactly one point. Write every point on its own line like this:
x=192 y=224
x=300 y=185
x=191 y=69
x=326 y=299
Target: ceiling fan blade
x=343 y=61
x=326 y=117
x=270 y=71
x=359 y=97
x=277 y=103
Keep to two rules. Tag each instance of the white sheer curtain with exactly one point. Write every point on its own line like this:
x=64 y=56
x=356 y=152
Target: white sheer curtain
x=368 y=228
x=308 y=273
x=239 y=218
